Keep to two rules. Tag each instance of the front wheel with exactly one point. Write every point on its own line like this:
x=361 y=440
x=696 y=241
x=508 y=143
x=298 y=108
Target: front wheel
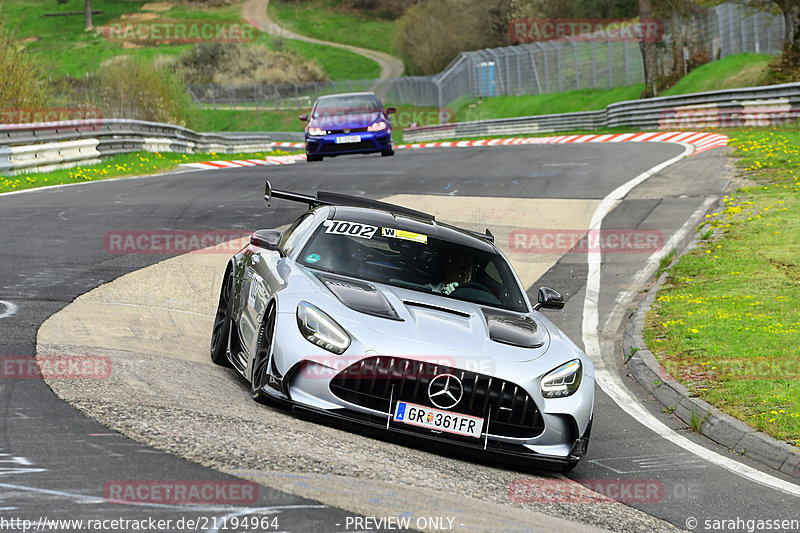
x=387 y=153
x=311 y=158
x=222 y=323
x=260 y=376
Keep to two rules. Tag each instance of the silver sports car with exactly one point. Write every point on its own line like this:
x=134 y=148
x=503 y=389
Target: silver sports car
x=381 y=318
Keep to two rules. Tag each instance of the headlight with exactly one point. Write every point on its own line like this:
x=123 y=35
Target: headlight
x=562 y=381
x=320 y=329
x=316 y=131
x=378 y=126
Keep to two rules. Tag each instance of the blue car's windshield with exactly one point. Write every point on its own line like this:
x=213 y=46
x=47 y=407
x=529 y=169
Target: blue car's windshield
x=413 y=261
x=346 y=105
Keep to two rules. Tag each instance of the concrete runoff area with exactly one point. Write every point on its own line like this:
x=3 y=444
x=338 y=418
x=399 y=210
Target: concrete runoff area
x=154 y=325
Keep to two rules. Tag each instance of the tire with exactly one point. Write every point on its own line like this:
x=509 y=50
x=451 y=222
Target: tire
x=311 y=158
x=222 y=322
x=260 y=374
x=387 y=153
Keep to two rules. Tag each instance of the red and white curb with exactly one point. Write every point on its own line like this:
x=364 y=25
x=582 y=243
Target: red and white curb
x=699 y=140
x=238 y=163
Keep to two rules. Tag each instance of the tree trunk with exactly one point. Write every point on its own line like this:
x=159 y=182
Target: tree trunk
x=89 y=25
x=791 y=32
x=648 y=51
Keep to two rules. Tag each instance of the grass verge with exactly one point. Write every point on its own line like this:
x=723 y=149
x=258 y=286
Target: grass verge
x=740 y=70
x=62 y=46
x=322 y=20
x=135 y=164
x=725 y=323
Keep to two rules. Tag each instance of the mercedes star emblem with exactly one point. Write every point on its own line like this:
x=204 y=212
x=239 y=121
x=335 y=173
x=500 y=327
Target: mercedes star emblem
x=445 y=391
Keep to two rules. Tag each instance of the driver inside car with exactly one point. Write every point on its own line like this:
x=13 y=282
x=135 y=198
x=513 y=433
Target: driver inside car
x=457 y=271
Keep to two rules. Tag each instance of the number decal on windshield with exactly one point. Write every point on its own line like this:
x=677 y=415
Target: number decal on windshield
x=352 y=229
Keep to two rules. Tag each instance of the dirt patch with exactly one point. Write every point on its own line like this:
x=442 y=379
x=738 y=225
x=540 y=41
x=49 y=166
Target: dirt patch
x=139 y=17
x=158 y=7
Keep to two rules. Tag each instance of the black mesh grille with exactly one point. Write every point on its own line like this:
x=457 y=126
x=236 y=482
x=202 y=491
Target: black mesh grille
x=346 y=147
x=372 y=381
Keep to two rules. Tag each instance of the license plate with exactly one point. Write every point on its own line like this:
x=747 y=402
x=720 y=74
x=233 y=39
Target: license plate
x=348 y=139
x=427 y=417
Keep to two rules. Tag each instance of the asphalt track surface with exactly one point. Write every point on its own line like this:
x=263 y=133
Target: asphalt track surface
x=55 y=460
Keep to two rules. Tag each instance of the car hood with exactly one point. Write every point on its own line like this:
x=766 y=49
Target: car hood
x=397 y=321
x=349 y=121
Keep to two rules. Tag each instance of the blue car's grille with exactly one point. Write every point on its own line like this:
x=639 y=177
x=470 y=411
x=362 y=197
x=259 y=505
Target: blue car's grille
x=363 y=145
x=372 y=381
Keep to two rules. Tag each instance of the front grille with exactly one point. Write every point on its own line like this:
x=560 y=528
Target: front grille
x=351 y=130
x=347 y=147
x=372 y=381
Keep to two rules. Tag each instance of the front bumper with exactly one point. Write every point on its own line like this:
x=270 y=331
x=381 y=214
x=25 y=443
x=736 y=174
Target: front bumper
x=369 y=142
x=553 y=440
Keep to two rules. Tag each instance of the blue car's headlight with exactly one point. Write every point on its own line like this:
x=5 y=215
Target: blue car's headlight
x=316 y=131
x=378 y=126
x=320 y=329
x=563 y=381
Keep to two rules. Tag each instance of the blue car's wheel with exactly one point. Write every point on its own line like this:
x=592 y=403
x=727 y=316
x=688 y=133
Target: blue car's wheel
x=310 y=157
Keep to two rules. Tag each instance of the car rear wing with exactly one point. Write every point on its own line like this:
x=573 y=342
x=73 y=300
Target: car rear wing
x=333 y=198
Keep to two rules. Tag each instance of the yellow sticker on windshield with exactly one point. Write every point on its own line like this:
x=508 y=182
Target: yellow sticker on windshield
x=405 y=235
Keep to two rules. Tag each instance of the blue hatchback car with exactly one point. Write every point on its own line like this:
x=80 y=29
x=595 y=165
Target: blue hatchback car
x=352 y=123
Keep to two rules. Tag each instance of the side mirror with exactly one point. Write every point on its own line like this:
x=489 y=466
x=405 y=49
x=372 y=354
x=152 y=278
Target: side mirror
x=391 y=110
x=303 y=117
x=549 y=299
x=269 y=239
x=268 y=194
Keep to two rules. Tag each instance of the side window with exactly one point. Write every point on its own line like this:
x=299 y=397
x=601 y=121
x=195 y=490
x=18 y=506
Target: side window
x=295 y=233
x=491 y=271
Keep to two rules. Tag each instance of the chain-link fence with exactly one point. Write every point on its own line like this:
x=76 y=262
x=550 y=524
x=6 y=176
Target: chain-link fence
x=534 y=68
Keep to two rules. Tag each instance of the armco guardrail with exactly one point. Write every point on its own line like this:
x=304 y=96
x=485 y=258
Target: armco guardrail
x=47 y=146
x=753 y=106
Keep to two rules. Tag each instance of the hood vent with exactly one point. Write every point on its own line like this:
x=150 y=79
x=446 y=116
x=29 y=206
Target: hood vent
x=359 y=296
x=437 y=308
x=516 y=330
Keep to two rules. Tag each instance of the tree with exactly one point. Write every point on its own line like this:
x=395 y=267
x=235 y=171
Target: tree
x=790 y=10
x=89 y=24
x=648 y=52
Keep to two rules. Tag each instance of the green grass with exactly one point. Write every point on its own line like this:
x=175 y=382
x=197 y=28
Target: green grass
x=740 y=70
x=63 y=48
x=726 y=323
x=320 y=19
x=542 y=104
x=135 y=164
x=338 y=64
x=224 y=120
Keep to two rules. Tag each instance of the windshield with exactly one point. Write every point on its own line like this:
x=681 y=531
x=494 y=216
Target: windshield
x=413 y=261
x=347 y=105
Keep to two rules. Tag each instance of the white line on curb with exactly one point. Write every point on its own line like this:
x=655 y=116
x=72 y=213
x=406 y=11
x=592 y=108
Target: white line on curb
x=610 y=382
x=10 y=309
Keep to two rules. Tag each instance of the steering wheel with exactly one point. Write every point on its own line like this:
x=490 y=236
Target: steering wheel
x=475 y=285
